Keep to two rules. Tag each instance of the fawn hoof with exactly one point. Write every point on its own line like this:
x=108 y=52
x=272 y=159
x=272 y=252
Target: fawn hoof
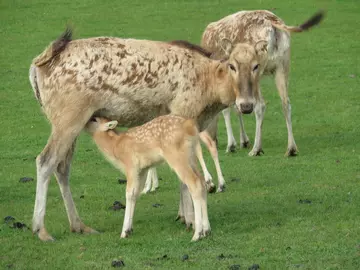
x=221 y=189
x=256 y=152
x=126 y=234
x=196 y=237
x=206 y=232
x=88 y=230
x=231 y=148
x=44 y=235
x=145 y=191
x=154 y=189
x=83 y=229
x=291 y=152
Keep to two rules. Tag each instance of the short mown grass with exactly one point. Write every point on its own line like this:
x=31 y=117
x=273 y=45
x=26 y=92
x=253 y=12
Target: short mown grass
x=260 y=218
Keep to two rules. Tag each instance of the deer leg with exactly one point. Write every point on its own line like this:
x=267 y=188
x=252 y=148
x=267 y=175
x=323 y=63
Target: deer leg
x=186 y=207
x=231 y=142
x=211 y=145
x=65 y=129
x=203 y=201
x=135 y=183
x=62 y=175
x=211 y=131
x=244 y=139
x=208 y=179
x=281 y=80
x=55 y=151
x=259 y=116
x=196 y=186
x=46 y=163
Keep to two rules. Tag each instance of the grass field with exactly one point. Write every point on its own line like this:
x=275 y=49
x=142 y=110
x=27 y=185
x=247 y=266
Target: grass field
x=259 y=219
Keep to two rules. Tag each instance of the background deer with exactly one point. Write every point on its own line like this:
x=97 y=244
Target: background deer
x=252 y=27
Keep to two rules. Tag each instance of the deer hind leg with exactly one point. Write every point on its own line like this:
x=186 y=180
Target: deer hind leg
x=281 y=80
x=211 y=145
x=231 y=142
x=64 y=132
x=62 y=176
x=134 y=186
x=259 y=116
x=184 y=168
x=204 y=211
x=244 y=139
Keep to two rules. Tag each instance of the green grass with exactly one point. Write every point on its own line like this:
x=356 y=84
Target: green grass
x=258 y=220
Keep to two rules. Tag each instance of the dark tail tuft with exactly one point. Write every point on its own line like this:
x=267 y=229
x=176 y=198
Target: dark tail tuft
x=59 y=45
x=54 y=48
x=314 y=20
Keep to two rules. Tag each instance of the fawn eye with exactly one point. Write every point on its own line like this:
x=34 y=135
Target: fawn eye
x=93 y=119
x=231 y=66
x=256 y=67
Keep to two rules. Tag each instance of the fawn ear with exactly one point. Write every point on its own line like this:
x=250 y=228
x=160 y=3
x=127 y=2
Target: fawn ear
x=111 y=125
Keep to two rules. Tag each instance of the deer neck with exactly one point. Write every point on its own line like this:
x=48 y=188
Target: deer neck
x=106 y=141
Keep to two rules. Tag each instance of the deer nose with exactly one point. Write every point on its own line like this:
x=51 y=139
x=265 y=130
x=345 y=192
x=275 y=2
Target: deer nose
x=246 y=108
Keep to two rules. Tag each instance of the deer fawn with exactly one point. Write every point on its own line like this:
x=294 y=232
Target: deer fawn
x=166 y=138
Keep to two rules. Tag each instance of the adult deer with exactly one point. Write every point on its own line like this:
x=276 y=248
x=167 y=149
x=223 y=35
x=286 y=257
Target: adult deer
x=250 y=27
x=131 y=81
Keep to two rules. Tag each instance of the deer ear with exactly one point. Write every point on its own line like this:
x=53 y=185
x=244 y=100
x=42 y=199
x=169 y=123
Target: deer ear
x=227 y=46
x=111 y=125
x=261 y=46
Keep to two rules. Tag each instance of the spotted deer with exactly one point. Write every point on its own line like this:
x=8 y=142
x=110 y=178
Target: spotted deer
x=166 y=138
x=250 y=27
x=131 y=81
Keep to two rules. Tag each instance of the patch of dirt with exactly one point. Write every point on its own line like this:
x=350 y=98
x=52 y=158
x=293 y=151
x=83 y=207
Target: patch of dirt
x=163 y=257
x=306 y=201
x=117 y=263
x=19 y=225
x=9 y=219
x=221 y=257
x=26 y=179
x=122 y=181
x=117 y=206
x=185 y=257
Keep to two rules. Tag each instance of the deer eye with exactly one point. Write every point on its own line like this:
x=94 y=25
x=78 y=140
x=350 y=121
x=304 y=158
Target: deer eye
x=256 y=67
x=231 y=66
